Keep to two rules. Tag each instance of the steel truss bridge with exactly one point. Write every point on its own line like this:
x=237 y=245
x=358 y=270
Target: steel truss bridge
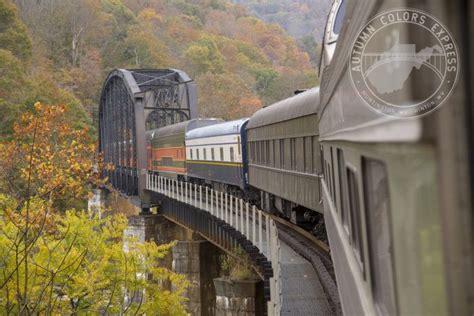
x=134 y=101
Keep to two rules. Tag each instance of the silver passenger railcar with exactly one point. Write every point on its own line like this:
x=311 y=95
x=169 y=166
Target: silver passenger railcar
x=217 y=155
x=284 y=156
x=398 y=192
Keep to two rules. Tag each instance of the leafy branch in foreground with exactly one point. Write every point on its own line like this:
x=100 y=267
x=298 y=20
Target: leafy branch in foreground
x=78 y=263
x=69 y=262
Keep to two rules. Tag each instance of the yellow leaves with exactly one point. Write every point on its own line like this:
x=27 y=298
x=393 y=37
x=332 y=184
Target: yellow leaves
x=38 y=107
x=84 y=257
x=49 y=156
x=150 y=15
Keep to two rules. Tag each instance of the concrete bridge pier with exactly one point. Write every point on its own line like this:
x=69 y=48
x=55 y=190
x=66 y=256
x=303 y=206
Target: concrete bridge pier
x=197 y=259
x=192 y=256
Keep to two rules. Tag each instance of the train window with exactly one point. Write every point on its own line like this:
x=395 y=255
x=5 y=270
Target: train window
x=299 y=154
x=252 y=147
x=340 y=17
x=308 y=147
x=221 y=153
x=212 y=154
x=197 y=153
x=232 y=154
x=267 y=152
x=272 y=153
x=333 y=177
x=329 y=180
x=325 y=171
x=264 y=153
x=288 y=154
x=205 y=153
x=293 y=153
x=282 y=154
x=166 y=161
x=303 y=157
x=276 y=146
x=191 y=153
x=257 y=153
x=354 y=208
x=377 y=200
x=342 y=190
x=326 y=174
x=249 y=152
x=239 y=145
x=316 y=159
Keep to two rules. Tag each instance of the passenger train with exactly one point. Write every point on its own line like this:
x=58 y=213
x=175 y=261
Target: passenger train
x=395 y=194
x=271 y=159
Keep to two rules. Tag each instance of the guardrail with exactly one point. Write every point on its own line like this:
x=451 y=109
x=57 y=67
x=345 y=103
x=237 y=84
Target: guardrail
x=258 y=227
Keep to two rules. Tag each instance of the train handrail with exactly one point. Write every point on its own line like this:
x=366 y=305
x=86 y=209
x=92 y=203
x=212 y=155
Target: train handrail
x=238 y=216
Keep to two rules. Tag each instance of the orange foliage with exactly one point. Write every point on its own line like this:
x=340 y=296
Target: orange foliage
x=47 y=158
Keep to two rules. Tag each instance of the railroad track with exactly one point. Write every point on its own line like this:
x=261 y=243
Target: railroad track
x=316 y=252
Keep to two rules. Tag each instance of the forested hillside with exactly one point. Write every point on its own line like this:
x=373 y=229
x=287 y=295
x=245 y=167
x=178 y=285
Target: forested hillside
x=59 y=51
x=305 y=20
x=300 y=18
x=27 y=76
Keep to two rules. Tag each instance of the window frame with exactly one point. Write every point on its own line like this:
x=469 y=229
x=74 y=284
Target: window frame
x=355 y=231
x=333 y=176
x=344 y=211
x=368 y=212
x=239 y=145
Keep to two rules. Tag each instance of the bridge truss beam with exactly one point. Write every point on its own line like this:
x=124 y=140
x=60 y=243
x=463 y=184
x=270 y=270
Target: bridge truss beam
x=132 y=102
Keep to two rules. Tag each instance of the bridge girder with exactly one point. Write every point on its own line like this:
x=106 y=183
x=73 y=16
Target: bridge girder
x=132 y=102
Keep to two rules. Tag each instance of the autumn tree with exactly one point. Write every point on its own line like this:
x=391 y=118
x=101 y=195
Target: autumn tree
x=20 y=84
x=205 y=56
x=59 y=260
x=143 y=48
x=76 y=43
x=64 y=27
x=47 y=157
x=226 y=96
x=13 y=33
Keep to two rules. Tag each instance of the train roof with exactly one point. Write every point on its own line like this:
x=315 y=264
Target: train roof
x=183 y=127
x=305 y=103
x=227 y=128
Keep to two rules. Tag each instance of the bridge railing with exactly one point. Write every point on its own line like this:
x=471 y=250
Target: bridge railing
x=257 y=226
